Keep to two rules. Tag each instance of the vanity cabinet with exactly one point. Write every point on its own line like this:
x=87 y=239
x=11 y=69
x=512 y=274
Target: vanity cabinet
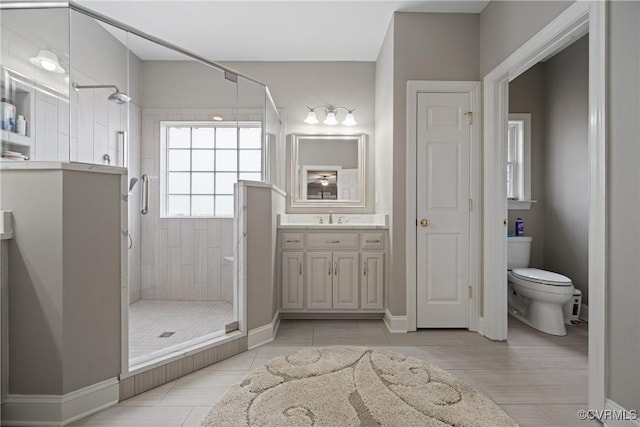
x=292 y=280
x=372 y=280
x=332 y=280
x=327 y=271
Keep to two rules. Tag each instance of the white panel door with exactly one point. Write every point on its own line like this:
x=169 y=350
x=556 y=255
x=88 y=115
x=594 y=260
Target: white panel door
x=292 y=280
x=443 y=170
x=319 y=279
x=348 y=184
x=345 y=280
x=372 y=280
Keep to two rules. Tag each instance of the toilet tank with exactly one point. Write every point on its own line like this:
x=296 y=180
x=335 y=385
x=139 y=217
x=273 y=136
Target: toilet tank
x=518 y=251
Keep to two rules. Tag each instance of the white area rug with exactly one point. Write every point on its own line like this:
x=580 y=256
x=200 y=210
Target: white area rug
x=353 y=386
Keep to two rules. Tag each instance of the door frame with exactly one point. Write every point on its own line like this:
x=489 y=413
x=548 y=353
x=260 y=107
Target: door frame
x=575 y=21
x=414 y=87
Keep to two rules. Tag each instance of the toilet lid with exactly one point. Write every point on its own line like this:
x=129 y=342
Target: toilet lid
x=541 y=276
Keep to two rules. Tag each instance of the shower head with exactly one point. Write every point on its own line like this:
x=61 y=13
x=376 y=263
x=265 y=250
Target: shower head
x=117 y=96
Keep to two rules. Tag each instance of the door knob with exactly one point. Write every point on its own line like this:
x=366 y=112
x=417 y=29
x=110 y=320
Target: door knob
x=424 y=222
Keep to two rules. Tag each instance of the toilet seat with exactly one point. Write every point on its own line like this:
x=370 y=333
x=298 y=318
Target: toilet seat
x=543 y=277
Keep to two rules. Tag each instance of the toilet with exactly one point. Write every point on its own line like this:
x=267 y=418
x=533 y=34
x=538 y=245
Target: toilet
x=536 y=296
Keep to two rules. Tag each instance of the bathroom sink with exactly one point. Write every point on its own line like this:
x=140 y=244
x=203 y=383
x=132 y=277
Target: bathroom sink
x=339 y=221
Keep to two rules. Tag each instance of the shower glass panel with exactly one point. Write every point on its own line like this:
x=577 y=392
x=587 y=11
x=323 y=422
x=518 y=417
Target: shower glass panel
x=77 y=87
x=34 y=84
x=181 y=290
x=274 y=144
x=99 y=91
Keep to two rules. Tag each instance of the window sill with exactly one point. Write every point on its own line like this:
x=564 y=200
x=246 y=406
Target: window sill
x=520 y=205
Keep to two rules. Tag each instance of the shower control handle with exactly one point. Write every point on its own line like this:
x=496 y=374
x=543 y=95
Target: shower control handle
x=145 y=194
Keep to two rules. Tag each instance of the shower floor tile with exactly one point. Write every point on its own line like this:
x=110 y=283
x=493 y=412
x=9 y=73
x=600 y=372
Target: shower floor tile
x=148 y=319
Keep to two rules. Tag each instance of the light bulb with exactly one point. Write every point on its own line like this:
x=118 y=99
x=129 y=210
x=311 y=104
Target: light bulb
x=311 y=119
x=349 y=120
x=331 y=119
x=47 y=65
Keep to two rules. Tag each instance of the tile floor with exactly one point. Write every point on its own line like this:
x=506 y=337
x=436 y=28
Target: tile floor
x=540 y=380
x=188 y=319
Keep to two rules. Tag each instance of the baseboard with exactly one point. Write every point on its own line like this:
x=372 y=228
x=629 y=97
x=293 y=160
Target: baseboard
x=55 y=410
x=618 y=411
x=396 y=324
x=584 y=312
x=263 y=334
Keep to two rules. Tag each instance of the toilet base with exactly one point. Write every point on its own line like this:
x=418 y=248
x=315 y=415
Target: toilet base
x=543 y=317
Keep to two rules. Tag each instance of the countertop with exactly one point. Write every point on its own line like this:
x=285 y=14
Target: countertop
x=74 y=166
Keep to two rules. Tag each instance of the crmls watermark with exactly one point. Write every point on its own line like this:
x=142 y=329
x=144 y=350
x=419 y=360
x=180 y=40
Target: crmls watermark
x=607 y=414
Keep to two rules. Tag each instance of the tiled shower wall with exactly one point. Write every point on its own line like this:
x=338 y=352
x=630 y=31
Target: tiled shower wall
x=181 y=259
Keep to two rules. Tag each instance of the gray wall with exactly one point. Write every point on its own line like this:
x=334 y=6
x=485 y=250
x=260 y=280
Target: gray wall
x=296 y=85
x=91 y=278
x=623 y=293
x=427 y=46
x=384 y=137
x=526 y=95
x=514 y=21
x=566 y=165
x=328 y=153
x=263 y=205
x=507 y=25
x=64 y=279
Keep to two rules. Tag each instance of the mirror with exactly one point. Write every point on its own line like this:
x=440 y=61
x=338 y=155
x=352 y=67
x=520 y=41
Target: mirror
x=328 y=170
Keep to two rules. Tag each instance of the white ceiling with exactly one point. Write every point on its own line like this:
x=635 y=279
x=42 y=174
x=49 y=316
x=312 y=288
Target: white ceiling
x=265 y=30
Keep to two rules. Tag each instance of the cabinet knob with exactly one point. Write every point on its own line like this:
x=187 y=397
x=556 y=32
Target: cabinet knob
x=424 y=222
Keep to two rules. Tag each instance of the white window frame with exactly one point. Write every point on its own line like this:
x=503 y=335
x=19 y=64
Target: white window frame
x=524 y=167
x=164 y=167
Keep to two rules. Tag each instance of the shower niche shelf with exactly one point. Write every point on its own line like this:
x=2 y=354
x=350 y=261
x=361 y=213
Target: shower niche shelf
x=22 y=98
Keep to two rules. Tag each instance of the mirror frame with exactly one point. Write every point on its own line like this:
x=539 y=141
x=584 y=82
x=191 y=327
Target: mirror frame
x=296 y=197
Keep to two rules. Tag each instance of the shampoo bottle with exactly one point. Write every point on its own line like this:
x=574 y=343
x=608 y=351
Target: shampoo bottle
x=519 y=227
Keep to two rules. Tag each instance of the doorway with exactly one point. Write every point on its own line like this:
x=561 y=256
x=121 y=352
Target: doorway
x=576 y=21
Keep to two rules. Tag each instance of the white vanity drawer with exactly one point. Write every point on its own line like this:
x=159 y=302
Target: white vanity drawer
x=332 y=240
x=372 y=240
x=292 y=240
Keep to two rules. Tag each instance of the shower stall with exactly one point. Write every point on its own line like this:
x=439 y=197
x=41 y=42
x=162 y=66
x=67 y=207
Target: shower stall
x=92 y=90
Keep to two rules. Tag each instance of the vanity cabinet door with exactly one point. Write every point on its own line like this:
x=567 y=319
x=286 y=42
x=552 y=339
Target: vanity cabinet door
x=345 y=280
x=292 y=280
x=372 y=280
x=319 y=267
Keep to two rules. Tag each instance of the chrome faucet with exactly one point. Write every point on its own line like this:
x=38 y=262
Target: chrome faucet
x=330 y=217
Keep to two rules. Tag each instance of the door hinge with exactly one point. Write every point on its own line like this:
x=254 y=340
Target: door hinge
x=470 y=205
x=469 y=115
x=470 y=292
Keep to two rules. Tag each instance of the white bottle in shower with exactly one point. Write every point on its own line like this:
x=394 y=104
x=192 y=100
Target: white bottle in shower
x=21 y=126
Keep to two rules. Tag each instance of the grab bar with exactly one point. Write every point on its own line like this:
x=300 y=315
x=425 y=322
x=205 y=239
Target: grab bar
x=145 y=194
x=125 y=148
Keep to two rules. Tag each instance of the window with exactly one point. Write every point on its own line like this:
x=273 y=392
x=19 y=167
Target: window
x=519 y=161
x=202 y=161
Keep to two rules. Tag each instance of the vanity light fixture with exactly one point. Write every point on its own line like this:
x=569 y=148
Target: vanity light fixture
x=330 y=119
x=47 y=60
